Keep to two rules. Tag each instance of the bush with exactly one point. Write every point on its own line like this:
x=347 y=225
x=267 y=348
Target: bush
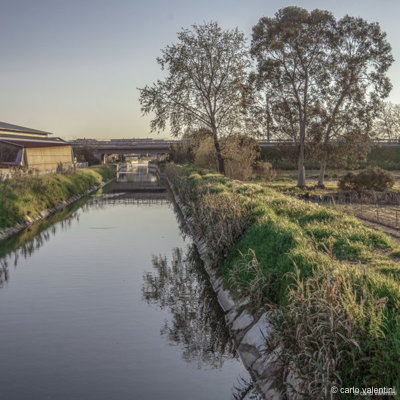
x=264 y=169
x=240 y=154
x=205 y=155
x=373 y=178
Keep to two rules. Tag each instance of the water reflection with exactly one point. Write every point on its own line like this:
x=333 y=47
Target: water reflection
x=197 y=320
x=24 y=244
x=245 y=390
x=78 y=301
x=181 y=285
x=126 y=198
x=136 y=173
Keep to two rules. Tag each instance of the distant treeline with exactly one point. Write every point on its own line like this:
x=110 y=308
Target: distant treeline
x=283 y=157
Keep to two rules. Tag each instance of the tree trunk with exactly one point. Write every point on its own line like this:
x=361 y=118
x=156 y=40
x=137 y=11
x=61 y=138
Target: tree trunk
x=321 y=177
x=220 y=159
x=301 y=179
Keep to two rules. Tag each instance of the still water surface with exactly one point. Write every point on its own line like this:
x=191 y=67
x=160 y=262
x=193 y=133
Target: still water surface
x=109 y=301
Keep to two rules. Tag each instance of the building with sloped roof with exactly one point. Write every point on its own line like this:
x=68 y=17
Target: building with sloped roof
x=32 y=149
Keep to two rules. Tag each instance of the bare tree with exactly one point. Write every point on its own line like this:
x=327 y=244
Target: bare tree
x=205 y=84
x=387 y=123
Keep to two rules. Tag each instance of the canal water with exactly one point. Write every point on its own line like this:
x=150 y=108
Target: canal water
x=108 y=300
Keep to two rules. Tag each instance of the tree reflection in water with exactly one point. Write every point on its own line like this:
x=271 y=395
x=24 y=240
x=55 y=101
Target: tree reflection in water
x=181 y=285
x=197 y=319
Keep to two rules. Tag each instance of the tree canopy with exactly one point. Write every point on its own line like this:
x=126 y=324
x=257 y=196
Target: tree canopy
x=325 y=78
x=204 y=86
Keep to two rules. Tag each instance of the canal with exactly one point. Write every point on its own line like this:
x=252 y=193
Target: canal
x=108 y=300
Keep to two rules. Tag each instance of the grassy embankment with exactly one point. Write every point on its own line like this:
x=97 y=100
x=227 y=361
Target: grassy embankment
x=333 y=282
x=387 y=215
x=26 y=197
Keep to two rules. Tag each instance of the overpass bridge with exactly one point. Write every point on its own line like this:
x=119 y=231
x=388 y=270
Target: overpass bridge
x=157 y=147
x=137 y=147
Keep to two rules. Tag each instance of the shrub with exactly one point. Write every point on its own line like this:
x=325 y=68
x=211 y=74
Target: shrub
x=240 y=154
x=373 y=178
x=264 y=169
x=348 y=181
x=205 y=155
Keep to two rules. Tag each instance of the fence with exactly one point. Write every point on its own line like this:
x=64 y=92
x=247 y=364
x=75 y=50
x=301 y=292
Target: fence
x=382 y=214
x=378 y=207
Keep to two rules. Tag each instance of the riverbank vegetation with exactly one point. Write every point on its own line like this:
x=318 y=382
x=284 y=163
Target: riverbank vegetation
x=26 y=197
x=333 y=283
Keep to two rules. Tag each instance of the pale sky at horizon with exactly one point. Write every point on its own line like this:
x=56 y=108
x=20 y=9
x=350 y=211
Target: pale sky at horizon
x=72 y=67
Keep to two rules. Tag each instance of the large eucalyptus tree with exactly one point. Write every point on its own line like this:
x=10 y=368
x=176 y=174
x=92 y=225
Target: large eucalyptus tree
x=290 y=53
x=355 y=85
x=205 y=84
x=326 y=78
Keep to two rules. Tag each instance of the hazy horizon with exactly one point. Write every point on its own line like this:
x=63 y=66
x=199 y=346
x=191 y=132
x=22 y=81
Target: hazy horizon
x=73 y=68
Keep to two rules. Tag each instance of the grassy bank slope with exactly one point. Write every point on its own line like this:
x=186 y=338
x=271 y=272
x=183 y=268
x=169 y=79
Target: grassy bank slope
x=333 y=282
x=26 y=197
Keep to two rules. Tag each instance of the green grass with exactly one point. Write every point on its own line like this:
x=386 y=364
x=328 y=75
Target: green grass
x=24 y=198
x=290 y=242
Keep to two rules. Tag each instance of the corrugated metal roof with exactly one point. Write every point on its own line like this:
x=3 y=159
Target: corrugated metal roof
x=29 y=142
x=16 y=128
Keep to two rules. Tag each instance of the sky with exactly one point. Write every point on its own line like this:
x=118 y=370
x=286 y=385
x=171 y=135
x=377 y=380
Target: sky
x=72 y=67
